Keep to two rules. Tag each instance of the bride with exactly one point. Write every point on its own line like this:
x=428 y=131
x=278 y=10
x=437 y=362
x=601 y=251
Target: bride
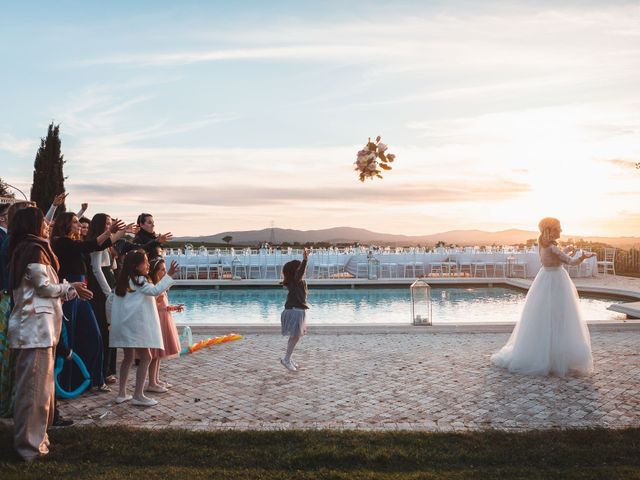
x=551 y=336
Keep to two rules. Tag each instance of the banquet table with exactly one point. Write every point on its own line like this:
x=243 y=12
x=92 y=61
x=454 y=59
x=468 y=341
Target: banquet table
x=362 y=264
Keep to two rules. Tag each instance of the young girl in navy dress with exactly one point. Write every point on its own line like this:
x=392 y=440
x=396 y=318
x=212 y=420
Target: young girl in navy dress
x=293 y=317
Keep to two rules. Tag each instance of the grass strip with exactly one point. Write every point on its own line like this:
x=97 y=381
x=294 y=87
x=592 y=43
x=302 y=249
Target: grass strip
x=120 y=452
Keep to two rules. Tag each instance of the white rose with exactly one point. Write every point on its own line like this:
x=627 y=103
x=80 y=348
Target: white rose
x=382 y=147
x=372 y=167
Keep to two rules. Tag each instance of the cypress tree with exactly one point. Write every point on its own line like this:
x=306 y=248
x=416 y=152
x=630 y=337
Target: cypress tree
x=48 y=179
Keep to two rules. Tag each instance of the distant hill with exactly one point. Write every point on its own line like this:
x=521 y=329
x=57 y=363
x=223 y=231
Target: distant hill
x=367 y=237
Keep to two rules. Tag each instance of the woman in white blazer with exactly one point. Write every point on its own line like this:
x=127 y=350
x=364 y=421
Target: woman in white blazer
x=34 y=329
x=135 y=325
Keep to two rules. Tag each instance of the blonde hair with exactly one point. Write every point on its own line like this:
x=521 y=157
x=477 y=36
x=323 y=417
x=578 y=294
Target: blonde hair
x=545 y=225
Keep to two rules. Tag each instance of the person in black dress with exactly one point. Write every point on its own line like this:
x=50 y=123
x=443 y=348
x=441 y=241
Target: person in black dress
x=83 y=332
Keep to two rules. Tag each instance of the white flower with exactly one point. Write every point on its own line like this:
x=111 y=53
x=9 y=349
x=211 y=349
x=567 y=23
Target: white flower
x=372 y=167
x=382 y=147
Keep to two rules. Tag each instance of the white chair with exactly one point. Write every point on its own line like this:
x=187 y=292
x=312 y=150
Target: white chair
x=465 y=264
x=450 y=267
x=502 y=267
x=418 y=269
x=518 y=267
x=225 y=266
x=479 y=268
x=321 y=265
x=388 y=270
x=435 y=268
x=191 y=267
x=272 y=265
x=239 y=267
x=254 y=266
x=608 y=264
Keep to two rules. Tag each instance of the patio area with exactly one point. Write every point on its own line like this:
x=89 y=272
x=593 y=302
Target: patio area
x=385 y=378
x=373 y=381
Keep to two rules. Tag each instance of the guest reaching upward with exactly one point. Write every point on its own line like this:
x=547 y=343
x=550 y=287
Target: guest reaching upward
x=83 y=332
x=147 y=238
x=101 y=281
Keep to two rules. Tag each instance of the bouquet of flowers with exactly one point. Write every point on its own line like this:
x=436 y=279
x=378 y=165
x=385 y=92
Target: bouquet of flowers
x=372 y=159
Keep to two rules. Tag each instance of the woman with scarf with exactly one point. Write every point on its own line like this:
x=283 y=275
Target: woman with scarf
x=34 y=329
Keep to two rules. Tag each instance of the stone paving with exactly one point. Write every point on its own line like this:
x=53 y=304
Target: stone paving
x=424 y=381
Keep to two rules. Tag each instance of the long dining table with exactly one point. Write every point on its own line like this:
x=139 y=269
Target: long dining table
x=328 y=264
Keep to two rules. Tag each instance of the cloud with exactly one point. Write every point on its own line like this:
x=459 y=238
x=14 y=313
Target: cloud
x=18 y=147
x=251 y=195
x=626 y=164
x=301 y=53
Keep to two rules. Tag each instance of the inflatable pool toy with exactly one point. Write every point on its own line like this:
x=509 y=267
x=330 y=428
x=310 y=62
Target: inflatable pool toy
x=60 y=392
x=186 y=335
x=210 y=342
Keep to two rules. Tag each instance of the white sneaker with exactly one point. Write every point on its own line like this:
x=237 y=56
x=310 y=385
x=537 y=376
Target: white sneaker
x=295 y=364
x=145 y=402
x=288 y=365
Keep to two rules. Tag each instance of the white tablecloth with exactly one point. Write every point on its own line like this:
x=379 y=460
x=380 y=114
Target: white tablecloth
x=357 y=264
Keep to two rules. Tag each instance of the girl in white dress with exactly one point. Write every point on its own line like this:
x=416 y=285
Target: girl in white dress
x=551 y=336
x=135 y=325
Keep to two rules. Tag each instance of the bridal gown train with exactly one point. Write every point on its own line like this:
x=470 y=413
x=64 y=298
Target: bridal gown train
x=551 y=336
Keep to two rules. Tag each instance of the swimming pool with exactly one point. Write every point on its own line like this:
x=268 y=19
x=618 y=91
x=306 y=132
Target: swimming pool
x=340 y=306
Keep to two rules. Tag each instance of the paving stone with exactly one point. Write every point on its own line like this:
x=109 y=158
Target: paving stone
x=440 y=382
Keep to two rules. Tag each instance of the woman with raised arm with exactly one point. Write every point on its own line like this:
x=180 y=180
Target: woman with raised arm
x=147 y=238
x=83 y=332
x=101 y=281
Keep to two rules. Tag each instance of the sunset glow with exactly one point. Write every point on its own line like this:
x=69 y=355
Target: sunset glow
x=222 y=117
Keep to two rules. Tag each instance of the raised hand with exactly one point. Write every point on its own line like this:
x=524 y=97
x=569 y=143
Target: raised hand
x=84 y=206
x=133 y=228
x=305 y=254
x=173 y=268
x=117 y=225
x=164 y=237
x=59 y=199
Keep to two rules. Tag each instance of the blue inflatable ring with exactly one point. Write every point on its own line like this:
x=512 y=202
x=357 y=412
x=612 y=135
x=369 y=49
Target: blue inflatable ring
x=60 y=392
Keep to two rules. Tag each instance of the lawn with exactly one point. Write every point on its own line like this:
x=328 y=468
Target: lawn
x=119 y=452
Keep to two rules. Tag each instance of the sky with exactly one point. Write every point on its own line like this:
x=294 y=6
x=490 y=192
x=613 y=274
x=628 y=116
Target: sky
x=229 y=115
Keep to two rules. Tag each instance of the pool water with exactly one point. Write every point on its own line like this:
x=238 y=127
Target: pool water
x=339 y=306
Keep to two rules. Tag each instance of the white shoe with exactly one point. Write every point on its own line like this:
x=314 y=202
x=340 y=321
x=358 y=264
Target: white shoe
x=295 y=364
x=145 y=402
x=126 y=398
x=288 y=365
x=156 y=389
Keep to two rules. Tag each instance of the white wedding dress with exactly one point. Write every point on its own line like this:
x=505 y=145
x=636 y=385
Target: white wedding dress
x=551 y=336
